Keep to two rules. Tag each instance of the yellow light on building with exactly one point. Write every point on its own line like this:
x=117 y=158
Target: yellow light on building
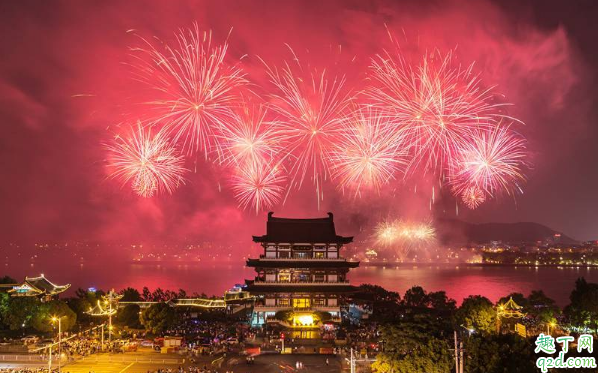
x=304 y=320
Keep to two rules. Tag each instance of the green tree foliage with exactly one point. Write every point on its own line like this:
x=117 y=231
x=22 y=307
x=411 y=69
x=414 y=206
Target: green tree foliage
x=7 y=280
x=583 y=309
x=158 y=317
x=129 y=316
x=416 y=297
x=42 y=318
x=130 y=295
x=499 y=353
x=20 y=311
x=417 y=346
x=385 y=303
x=440 y=302
x=477 y=312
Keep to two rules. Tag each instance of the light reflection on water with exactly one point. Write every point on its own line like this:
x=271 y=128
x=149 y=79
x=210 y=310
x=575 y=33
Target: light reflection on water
x=215 y=278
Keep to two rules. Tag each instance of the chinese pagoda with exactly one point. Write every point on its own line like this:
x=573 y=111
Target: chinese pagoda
x=301 y=277
x=37 y=287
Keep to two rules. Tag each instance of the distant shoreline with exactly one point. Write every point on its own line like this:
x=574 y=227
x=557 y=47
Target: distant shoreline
x=380 y=264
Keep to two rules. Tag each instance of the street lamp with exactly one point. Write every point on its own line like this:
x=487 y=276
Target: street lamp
x=55 y=319
x=552 y=325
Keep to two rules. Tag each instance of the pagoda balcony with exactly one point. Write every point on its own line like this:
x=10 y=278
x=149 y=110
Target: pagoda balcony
x=262 y=261
x=301 y=283
x=264 y=308
x=263 y=257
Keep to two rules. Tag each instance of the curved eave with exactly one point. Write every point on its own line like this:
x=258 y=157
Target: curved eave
x=264 y=289
x=337 y=240
x=320 y=263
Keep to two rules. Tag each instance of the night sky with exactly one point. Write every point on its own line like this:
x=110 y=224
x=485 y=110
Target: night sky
x=65 y=85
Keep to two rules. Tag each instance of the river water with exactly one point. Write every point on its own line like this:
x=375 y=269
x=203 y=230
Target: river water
x=459 y=281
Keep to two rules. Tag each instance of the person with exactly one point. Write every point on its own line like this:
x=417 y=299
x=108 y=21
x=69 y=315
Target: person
x=327 y=362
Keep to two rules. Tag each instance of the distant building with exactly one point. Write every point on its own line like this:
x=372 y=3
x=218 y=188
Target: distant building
x=36 y=287
x=301 y=280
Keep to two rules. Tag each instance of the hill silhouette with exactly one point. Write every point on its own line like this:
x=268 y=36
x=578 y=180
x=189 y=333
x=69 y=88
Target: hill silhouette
x=453 y=231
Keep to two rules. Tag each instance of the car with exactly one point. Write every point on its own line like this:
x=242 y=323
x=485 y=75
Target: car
x=232 y=341
x=30 y=339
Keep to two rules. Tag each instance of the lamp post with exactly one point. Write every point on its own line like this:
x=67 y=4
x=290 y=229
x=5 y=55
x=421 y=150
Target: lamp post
x=54 y=319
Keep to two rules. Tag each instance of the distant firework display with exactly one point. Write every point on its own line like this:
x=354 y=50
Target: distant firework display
x=307 y=127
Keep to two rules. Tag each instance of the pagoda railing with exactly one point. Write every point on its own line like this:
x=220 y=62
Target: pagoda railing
x=262 y=256
x=285 y=308
x=342 y=282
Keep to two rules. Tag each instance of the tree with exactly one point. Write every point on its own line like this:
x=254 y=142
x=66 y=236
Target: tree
x=477 y=313
x=499 y=353
x=42 y=319
x=20 y=311
x=583 y=309
x=7 y=280
x=440 y=302
x=414 y=346
x=130 y=295
x=129 y=316
x=385 y=303
x=416 y=297
x=157 y=318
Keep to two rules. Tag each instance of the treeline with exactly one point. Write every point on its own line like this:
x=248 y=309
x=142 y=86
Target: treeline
x=418 y=329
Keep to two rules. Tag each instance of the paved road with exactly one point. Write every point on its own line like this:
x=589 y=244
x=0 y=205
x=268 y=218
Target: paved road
x=284 y=363
x=263 y=364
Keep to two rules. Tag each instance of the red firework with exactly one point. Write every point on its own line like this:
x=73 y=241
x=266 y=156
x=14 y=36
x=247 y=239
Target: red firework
x=312 y=111
x=149 y=162
x=473 y=197
x=492 y=160
x=435 y=105
x=197 y=88
x=258 y=186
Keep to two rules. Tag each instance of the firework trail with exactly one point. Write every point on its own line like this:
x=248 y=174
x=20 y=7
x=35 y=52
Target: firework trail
x=473 y=197
x=368 y=152
x=312 y=112
x=149 y=162
x=258 y=186
x=197 y=86
x=249 y=138
x=436 y=105
x=492 y=161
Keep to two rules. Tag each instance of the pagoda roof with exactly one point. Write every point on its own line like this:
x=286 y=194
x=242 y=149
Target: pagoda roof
x=38 y=285
x=313 y=230
x=283 y=288
x=298 y=263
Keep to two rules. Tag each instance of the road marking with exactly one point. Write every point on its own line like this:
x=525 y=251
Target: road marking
x=127 y=367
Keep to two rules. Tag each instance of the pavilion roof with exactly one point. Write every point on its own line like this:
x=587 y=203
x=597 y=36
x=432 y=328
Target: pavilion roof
x=314 y=230
x=33 y=286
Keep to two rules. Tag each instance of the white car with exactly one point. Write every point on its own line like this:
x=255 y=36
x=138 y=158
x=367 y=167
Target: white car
x=30 y=339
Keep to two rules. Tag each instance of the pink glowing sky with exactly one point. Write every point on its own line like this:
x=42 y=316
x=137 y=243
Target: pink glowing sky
x=64 y=85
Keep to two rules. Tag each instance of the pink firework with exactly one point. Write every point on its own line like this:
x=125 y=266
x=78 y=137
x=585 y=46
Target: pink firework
x=368 y=153
x=312 y=111
x=197 y=88
x=258 y=186
x=473 y=197
x=149 y=162
x=435 y=105
x=491 y=160
x=249 y=138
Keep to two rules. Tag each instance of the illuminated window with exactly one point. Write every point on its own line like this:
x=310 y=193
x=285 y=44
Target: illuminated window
x=301 y=303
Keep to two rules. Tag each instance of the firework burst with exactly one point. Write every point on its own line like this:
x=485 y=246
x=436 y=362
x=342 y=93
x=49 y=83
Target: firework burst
x=149 y=162
x=473 y=197
x=312 y=111
x=404 y=237
x=258 y=186
x=492 y=161
x=197 y=86
x=368 y=152
x=249 y=138
x=436 y=105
